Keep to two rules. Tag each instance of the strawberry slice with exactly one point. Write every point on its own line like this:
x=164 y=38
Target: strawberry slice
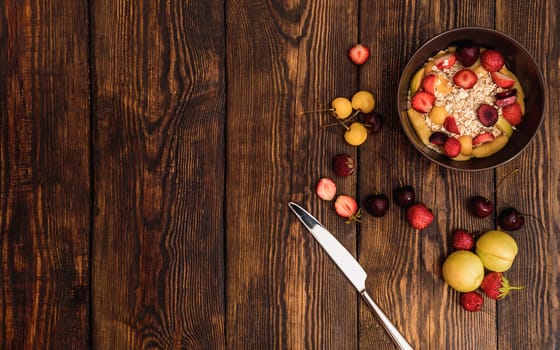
x=445 y=61
x=482 y=138
x=452 y=147
x=429 y=83
x=450 y=124
x=492 y=60
x=326 y=189
x=347 y=207
x=465 y=78
x=422 y=101
x=502 y=80
x=359 y=54
x=512 y=113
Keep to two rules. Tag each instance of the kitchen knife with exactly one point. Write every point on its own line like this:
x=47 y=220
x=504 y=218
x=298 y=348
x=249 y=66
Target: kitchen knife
x=349 y=266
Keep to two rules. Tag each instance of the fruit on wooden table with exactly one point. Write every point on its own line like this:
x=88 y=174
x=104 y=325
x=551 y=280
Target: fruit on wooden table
x=472 y=301
x=341 y=107
x=347 y=207
x=404 y=196
x=363 y=101
x=463 y=271
x=496 y=286
x=344 y=164
x=373 y=122
x=480 y=206
x=359 y=54
x=510 y=219
x=419 y=216
x=497 y=250
x=462 y=240
x=377 y=205
x=325 y=189
x=356 y=134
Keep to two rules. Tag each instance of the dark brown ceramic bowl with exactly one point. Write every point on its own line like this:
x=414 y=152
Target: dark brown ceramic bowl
x=517 y=60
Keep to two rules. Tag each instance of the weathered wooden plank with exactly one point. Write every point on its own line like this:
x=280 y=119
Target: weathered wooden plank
x=405 y=264
x=283 y=58
x=158 y=254
x=44 y=175
x=530 y=318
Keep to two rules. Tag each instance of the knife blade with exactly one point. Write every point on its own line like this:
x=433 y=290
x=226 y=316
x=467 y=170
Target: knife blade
x=351 y=268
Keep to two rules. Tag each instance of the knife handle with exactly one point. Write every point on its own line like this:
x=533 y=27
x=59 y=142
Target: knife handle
x=391 y=330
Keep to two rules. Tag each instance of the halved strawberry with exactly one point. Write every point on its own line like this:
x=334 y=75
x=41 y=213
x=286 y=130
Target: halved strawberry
x=445 y=61
x=512 y=113
x=482 y=138
x=502 y=80
x=422 y=101
x=326 y=189
x=450 y=124
x=492 y=60
x=452 y=147
x=465 y=78
x=359 y=54
x=429 y=83
x=347 y=207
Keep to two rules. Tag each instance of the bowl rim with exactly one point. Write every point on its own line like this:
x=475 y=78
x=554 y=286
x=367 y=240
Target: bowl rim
x=449 y=163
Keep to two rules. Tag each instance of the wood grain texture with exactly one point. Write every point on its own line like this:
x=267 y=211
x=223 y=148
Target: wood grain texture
x=530 y=319
x=283 y=292
x=158 y=255
x=44 y=175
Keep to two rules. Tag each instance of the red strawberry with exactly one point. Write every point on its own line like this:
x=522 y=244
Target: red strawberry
x=512 y=113
x=359 y=54
x=450 y=124
x=492 y=60
x=423 y=101
x=462 y=240
x=487 y=115
x=452 y=147
x=496 y=286
x=502 y=80
x=472 y=301
x=429 y=83
x=347 y=207
x=482 y=138
x=465 y=78
x=445 y=61
x=419 y=216
x=326 y=189
x=344 y=165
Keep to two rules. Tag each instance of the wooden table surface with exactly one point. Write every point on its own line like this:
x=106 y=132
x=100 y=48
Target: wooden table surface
x=148 y=150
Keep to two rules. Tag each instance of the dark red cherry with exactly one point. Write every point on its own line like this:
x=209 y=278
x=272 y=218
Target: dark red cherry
x=511 y=219
x=377 y=205
x=481 y=207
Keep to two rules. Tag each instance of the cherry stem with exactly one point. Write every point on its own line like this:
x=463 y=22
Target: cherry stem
x=393 y=170
x=538 y=220
x=338 y=121
x=514 y=171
